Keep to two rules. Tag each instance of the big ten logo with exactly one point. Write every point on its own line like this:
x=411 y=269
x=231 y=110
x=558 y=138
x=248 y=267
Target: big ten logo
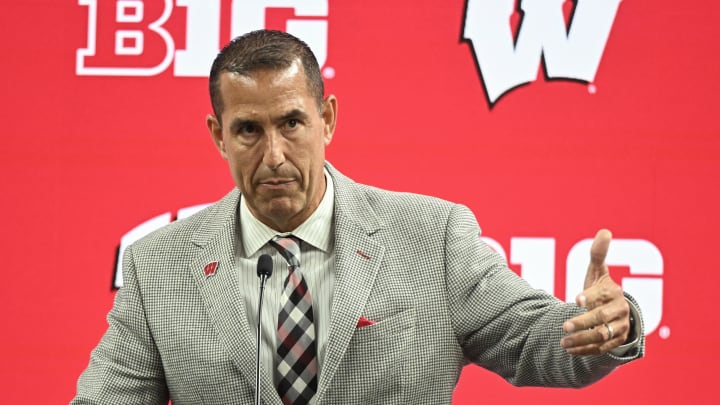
x=641 y=259
x=510 y=38
x=143 y=38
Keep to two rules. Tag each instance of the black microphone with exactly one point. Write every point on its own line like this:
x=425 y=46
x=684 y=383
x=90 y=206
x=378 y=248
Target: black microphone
x=264 y=271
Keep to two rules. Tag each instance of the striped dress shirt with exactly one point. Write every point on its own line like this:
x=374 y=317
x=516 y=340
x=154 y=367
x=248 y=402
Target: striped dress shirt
x=317 y=260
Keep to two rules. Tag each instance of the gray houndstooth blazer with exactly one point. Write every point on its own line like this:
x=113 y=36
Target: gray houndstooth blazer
x=415 y=264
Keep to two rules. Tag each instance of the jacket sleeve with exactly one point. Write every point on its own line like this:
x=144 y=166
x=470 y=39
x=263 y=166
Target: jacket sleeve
x=504 y=325
x=125 y=367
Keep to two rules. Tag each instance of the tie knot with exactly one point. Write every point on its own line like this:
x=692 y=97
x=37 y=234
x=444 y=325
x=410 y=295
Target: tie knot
x=289 y=248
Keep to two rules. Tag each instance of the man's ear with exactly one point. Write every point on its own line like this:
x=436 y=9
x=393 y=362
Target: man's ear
x=329 y=116
x=216 y=132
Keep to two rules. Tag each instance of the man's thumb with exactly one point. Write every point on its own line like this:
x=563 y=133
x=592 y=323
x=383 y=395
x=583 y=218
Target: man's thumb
x=598 y=252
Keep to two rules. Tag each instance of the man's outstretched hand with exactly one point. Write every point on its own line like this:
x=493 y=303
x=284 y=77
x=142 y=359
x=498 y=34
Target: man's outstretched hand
x=606 y=323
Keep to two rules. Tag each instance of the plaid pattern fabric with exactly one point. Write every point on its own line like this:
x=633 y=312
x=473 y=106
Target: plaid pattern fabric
x=296 y=374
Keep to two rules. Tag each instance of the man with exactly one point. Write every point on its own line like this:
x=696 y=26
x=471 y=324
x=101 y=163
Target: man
x=376 y=297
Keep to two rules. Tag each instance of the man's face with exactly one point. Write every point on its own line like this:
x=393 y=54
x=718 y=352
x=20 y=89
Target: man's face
x=274 y=137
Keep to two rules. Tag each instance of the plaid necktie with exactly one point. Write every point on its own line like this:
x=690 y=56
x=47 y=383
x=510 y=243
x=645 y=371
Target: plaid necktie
x=296 y=374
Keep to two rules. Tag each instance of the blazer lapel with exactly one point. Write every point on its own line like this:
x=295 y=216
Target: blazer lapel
x=358 y=259
x=222 y=296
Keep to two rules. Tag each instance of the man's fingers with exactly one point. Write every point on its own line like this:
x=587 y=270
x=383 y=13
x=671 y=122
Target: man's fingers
x=586 y=321
x=617 y=310
x=598 y=252
x=589 y=320
x=597 y=340
x=599 y=248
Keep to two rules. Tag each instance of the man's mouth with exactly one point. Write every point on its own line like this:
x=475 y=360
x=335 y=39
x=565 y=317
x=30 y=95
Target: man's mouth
x=276 y=183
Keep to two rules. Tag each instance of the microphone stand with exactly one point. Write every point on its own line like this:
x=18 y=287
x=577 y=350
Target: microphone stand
x=263 y=280
x=264 y=271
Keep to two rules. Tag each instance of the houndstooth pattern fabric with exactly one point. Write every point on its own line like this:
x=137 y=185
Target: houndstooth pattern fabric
x=176 y=334
x=296 y=372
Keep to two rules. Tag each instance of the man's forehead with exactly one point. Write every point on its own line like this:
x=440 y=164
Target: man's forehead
x=260 y=103
x=263 y=85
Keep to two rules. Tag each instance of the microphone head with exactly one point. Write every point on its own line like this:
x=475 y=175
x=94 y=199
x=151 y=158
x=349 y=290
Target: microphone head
x=265 y=266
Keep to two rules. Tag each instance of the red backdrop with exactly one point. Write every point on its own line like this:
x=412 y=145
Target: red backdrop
x=94 y=146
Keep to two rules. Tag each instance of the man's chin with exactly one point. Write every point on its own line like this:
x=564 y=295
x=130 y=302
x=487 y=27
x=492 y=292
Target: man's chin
x=279 y=212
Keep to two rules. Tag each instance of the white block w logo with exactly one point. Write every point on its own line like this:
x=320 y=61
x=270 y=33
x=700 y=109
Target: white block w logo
x=572 y=52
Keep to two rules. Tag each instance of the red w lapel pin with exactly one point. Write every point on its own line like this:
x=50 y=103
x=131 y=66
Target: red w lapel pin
x=210 y=269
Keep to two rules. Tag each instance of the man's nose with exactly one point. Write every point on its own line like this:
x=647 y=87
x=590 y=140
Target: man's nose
x=274 y=155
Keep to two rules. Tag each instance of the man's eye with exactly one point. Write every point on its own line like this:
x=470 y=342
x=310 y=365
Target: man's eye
x=292 y=123
x=248 y=129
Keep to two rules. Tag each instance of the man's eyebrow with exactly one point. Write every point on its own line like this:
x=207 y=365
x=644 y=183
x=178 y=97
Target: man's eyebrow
x=238 y=123
x=292 y=114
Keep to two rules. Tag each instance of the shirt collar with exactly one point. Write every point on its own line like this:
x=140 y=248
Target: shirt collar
x=315 y=230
